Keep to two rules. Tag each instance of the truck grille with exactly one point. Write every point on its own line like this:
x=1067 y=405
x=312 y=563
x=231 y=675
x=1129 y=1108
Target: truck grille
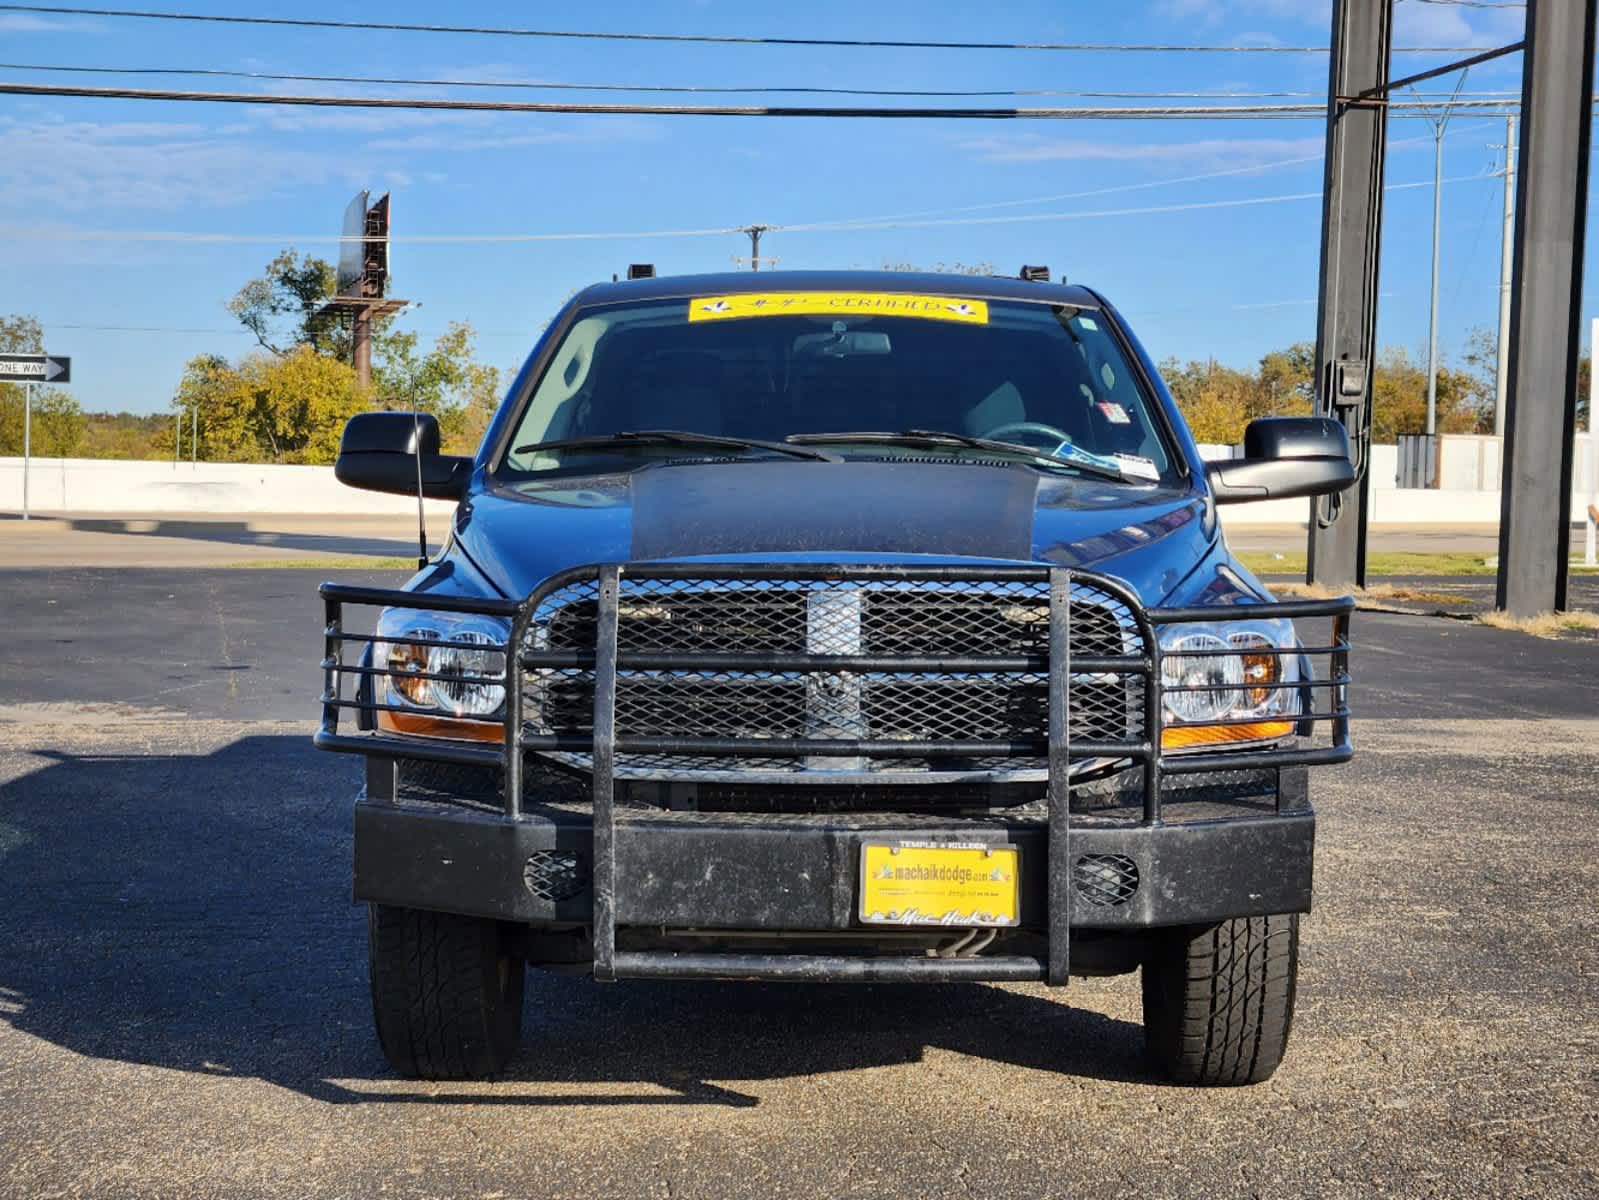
x=937 y=619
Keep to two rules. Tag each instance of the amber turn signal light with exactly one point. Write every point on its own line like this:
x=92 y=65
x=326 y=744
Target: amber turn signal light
x=441 y=727
x=1179 y=737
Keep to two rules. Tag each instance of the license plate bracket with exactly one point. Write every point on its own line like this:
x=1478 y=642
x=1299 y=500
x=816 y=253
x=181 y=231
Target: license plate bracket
x=950 y=884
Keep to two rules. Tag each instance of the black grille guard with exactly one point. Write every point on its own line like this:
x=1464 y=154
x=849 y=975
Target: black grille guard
x=1140 y=664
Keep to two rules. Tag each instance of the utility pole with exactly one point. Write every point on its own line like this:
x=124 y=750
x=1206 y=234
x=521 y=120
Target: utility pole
x=1438 y=123
x=755 y=232
x=1506 y=258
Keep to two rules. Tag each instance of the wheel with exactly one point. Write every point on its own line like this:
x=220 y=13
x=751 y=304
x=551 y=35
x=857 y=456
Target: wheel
x=1219 y=999
x=446 y=992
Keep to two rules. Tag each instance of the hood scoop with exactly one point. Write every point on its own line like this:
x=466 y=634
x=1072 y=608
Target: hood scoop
x=813 y=508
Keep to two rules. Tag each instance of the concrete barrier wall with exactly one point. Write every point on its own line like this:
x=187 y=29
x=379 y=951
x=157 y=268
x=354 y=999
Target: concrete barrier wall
x=87 y=485
x=80 y=485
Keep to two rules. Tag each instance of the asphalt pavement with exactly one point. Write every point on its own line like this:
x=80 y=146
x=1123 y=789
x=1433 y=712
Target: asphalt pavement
x=183 y=1006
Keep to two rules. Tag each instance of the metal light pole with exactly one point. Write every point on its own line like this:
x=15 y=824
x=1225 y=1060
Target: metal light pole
x=1506 y=257
x=1438 y=124
x=1432 y=312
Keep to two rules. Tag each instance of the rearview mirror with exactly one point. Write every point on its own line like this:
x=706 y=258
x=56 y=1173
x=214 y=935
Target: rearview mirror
x=383 y=451
x=1284 y=457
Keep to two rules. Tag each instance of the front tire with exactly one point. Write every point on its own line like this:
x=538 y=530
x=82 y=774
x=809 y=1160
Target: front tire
x=446 y=992
x=1219 y=999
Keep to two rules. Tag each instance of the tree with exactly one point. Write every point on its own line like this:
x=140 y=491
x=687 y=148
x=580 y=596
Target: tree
x=446 y=381
x=286 y=409
x=1399 y=398
x=1218 y=402
x=284 y=307
x=58 y=422
x=1482 y=357
x=126 y=435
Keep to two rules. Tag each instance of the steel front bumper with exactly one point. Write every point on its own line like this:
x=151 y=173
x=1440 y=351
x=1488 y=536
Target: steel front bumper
x=802 y=873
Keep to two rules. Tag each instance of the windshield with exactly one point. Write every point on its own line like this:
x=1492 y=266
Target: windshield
x=775 y=366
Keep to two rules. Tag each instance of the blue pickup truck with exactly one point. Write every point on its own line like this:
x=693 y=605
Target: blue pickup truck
x=836 y=627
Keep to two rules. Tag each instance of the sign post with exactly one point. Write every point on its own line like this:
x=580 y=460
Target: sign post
x=27 y=443
x=29 y=369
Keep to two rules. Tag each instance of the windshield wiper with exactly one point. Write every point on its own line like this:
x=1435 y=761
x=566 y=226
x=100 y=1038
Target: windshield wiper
x=1067 y=456
x=674 y=437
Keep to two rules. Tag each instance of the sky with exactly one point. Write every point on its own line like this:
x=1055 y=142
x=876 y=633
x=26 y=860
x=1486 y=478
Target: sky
x=1113 y=204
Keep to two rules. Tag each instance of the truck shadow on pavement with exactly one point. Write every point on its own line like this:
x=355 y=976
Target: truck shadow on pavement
x=239 y=532
x=191 y=911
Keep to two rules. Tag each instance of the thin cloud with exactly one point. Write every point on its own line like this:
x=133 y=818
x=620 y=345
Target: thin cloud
x=35 y=23
x=75 y=166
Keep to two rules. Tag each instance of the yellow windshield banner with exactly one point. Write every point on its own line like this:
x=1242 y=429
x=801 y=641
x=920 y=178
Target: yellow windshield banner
x=813 y=304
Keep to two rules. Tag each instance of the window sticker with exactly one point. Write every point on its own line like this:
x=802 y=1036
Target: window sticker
x=888 y=304
x=1136 y=467
x=1114 y=413
x=1088 y=324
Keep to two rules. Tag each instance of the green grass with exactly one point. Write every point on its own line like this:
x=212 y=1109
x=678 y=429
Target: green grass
x=330 y=562
x=1263 y=562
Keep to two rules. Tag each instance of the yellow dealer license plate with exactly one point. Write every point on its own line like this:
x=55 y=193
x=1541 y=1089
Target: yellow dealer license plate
x=928 y=883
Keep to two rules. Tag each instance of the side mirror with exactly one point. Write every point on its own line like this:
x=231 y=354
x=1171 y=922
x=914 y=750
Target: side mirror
x=1284 y=457
x=380 y=451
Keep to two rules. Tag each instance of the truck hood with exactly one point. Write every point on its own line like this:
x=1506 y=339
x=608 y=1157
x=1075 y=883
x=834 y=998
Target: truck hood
x=1150 y=538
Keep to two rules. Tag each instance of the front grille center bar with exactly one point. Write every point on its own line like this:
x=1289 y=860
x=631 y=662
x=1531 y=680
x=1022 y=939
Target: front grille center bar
x=1060 y=792
x=604 y=870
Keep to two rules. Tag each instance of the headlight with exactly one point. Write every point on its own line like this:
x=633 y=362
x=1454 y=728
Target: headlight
x=1191 y=662
x=1228 y=683
x=443 y=665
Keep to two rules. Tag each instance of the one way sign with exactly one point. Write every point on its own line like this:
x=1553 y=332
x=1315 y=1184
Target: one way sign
x=35 y=368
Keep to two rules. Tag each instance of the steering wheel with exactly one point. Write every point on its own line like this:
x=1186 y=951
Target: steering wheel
x=1037 y=429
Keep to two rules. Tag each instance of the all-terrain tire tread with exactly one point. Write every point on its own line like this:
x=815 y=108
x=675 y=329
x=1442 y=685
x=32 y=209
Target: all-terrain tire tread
x=1219 y=999
x=437 y=995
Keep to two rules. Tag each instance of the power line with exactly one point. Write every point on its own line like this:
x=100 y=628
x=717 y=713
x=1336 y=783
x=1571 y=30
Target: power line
x=1165 y=112
x=694 y=89
x=112 y=235
x=1505 y=4
x=1302 y=160
x=703 y=39
x=1244 y=202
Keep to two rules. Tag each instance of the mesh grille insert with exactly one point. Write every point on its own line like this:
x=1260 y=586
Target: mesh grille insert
x=555 y=875
x=1105 y=880
x=939 y=619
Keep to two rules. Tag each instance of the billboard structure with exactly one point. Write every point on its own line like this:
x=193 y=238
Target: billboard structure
x=363 y=275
